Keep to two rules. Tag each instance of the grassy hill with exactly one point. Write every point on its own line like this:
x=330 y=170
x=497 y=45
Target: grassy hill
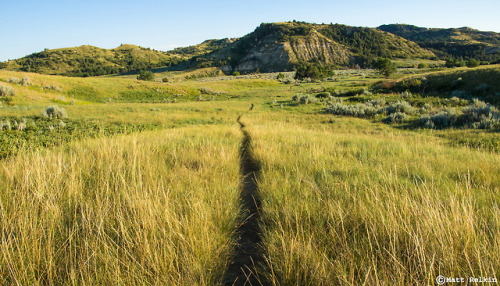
x=281 y=46
x=273 y=47
x=92 y=61
x=203 y=48
x=455 y=42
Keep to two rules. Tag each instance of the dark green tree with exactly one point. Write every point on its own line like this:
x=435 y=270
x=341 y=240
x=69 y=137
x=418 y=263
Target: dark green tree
x=146 y=75
x=385 y=66
x=472 y=63
x=313 y=71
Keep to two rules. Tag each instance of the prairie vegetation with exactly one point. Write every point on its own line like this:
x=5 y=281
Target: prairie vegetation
x=155 y=208
x=112 y=180
x=356 y=203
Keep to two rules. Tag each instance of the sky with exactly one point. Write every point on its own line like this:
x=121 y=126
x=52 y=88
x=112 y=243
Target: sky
x=31 y=26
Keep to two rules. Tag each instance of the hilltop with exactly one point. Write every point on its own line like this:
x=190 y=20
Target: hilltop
x=462 y=42
x=273 y=47
x=281 y=46
x=91 y=61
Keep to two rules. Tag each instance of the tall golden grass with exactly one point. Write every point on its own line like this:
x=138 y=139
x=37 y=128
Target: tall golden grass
x=155 y=208
x=354 y=203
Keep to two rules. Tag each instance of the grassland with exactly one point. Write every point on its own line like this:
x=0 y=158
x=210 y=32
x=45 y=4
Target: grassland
x=140 y=185
x=154 y=208
x=354 y=203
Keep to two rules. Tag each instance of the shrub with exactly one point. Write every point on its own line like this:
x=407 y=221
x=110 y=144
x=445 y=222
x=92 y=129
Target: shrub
x=236 y=73
x=366 y=92
x=358 y=110
x=146 y=76
x=400 y=106
x=472 y=63
x=444 y=119
x=280 y=76
x=459 y=94
x=457 y=83
x=396 y=117
x=425 y=108
x=406 y=94
x=53 y=87
x=481 y=115
x=13 y=80
x=455 y=63
x=323 y=95
x=482 y=88
x=314 y=71
x=306 y=99
x=165 y=79
x=5 y=125
x=385 y=66
x=53 y=112
x=7 y=91
x=25 y=81
x=208 y=91
x=377 y=103
x=422 y=66
x=20 y=126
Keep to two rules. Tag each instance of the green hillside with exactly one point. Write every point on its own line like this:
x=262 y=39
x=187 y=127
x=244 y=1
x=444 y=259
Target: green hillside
x=203 y=48
x=281 y=46
x=92 y=61
x=273 y=47
x=455 y=42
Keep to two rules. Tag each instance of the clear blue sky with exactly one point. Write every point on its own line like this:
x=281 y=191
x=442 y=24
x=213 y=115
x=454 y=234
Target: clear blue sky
x=30 y=26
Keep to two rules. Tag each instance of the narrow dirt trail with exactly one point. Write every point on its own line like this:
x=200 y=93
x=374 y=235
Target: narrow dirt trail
x=247 y=257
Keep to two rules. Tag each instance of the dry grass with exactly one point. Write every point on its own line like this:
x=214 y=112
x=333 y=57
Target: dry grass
x=359 y=204
x=156 y=208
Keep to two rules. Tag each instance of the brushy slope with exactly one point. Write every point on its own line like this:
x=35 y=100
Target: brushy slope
x=92 y=61
x=455 y=42
x=280 y=46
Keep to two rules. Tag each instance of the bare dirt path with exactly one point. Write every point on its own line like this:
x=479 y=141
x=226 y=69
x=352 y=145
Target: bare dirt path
x=247 y=262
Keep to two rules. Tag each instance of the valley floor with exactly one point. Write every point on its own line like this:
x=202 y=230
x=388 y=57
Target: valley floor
x=247 y=187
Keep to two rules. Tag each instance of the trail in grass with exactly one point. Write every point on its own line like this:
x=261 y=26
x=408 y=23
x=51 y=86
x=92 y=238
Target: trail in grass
x=247 y=261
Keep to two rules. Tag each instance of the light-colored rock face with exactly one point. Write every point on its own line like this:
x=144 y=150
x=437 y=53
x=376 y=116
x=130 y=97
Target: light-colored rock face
x=318 y=47
x=282 y=46
x=279 y=56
